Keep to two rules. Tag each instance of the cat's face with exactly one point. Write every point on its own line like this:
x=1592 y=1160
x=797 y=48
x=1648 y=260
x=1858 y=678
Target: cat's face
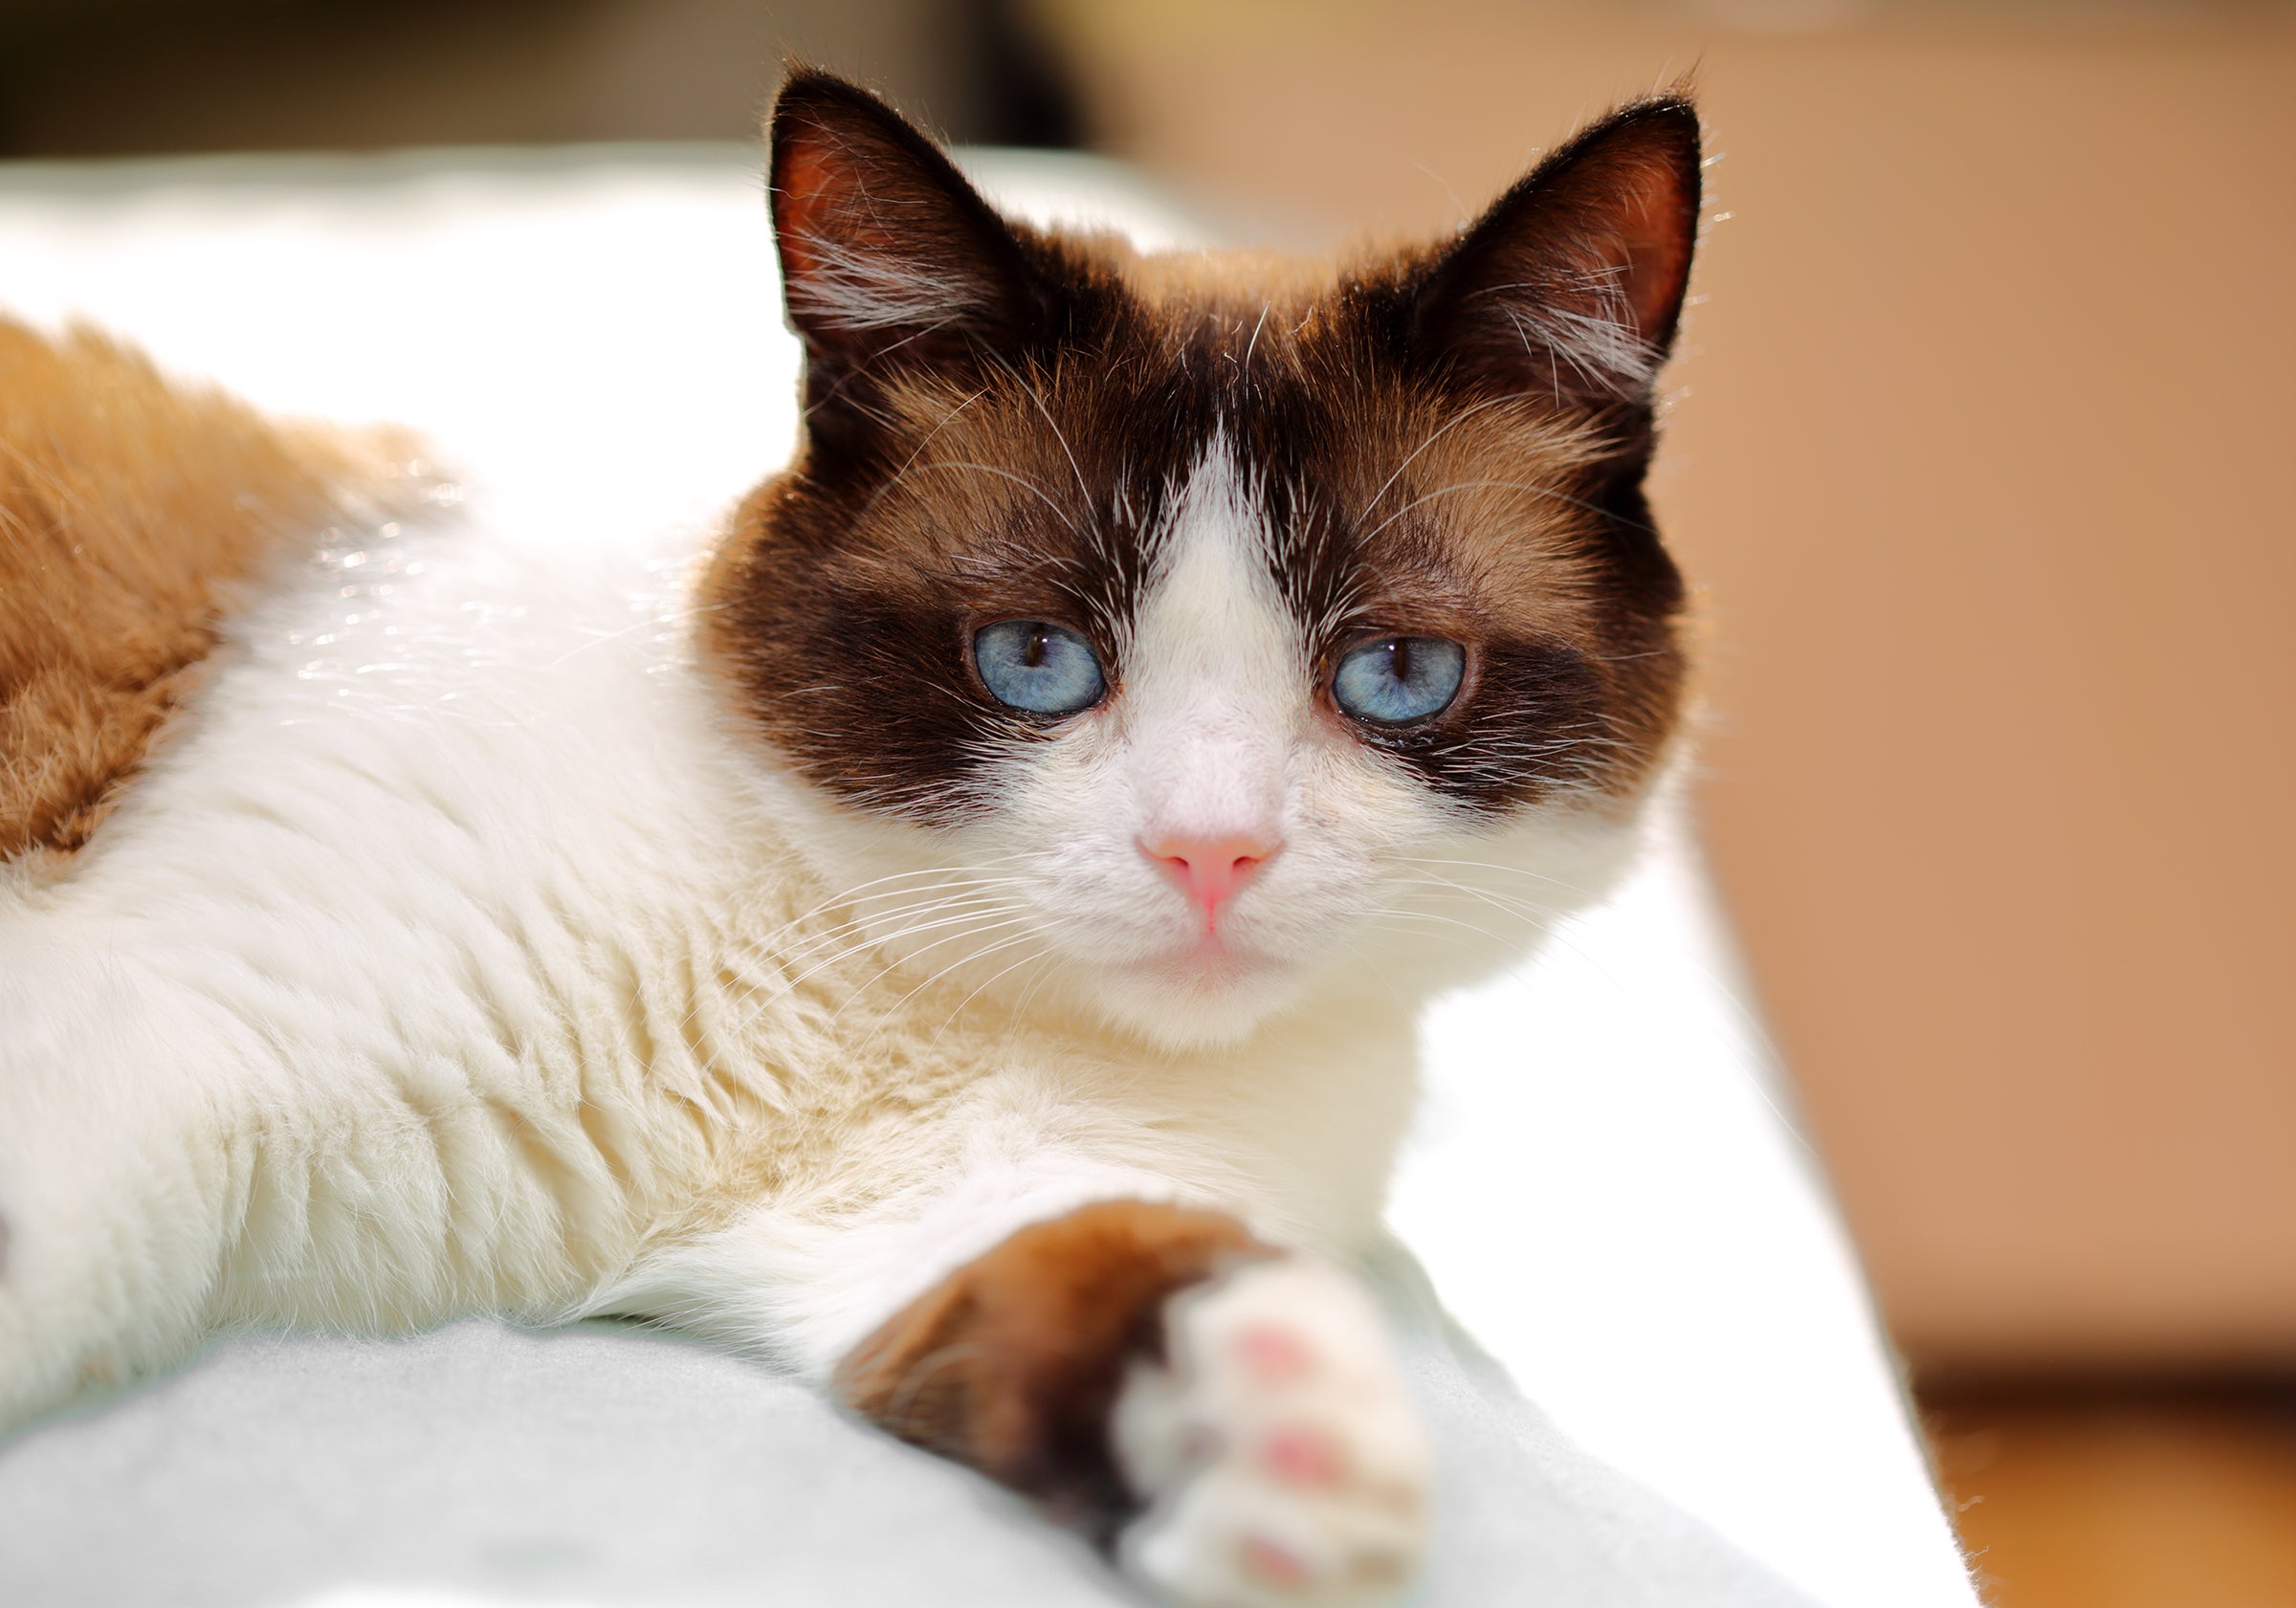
x=1164 y=633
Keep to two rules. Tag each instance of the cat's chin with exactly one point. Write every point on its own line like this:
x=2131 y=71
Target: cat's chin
x=1203 y=1000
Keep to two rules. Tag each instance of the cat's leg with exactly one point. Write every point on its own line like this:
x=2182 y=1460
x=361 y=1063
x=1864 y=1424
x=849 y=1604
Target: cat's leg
x=172 y=1166
x=1227 y=1417
x=116 y=1185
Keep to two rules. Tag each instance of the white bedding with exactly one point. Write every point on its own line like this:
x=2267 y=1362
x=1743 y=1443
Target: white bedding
x=1605 y=1186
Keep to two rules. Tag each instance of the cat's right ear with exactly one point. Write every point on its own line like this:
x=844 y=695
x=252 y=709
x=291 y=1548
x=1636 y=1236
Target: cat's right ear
x=889 y=260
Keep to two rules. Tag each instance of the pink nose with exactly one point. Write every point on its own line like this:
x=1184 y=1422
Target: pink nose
x=1212 y=871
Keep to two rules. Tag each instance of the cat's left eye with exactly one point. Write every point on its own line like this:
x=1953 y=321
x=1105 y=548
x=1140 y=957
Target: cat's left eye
x=1038 y=667
x=1400 y=680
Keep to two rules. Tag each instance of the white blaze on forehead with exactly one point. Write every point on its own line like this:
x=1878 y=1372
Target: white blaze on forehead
x=1214 y=669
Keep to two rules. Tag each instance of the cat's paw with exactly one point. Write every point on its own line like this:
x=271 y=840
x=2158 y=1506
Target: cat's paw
x=1280 y=1457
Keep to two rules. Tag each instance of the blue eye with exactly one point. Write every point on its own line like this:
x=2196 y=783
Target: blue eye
x=1398 y=680
x=1040 y=668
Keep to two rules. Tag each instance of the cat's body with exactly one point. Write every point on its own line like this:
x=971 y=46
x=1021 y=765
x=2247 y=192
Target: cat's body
x=679 y=934
x=497 y=1055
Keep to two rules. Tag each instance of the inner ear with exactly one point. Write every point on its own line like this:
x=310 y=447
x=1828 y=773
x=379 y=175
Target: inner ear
x=889 y=258
x=1570 y=287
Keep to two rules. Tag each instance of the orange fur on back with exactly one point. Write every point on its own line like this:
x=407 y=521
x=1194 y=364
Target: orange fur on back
x=130 y=506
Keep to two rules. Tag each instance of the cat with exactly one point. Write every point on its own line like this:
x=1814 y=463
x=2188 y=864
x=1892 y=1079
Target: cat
x=960 y=936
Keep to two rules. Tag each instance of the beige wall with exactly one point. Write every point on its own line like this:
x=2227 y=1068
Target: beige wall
x=1983 y=454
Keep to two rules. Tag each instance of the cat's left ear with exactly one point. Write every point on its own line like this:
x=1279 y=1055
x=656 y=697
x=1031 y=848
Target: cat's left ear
x=890 y=259
x=1570 y=287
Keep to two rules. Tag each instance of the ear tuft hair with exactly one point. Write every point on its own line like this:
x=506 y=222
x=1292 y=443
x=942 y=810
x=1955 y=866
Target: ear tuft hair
x=889 y=258
x=1571 y=285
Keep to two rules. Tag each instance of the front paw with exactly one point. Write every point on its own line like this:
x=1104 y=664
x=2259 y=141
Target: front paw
x=1281 y=1461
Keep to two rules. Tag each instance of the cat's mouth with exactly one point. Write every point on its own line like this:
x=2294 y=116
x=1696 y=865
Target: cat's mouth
x=1201 y=989
x=1211 y=959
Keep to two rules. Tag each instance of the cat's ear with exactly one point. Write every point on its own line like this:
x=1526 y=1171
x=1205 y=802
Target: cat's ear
x=889 y=258
x=1570 y=287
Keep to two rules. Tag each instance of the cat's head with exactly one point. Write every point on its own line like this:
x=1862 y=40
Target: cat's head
x=1167 y=633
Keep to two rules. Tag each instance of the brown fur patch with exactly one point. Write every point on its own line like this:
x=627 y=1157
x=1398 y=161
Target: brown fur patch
x=130 y=506
x=1011 y=1365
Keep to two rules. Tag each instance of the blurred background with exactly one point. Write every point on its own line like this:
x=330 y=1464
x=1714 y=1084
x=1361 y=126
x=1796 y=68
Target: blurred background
x=1980 y=452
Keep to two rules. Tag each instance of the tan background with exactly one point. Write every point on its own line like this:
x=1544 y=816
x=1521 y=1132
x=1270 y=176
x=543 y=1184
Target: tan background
x=1981 y=450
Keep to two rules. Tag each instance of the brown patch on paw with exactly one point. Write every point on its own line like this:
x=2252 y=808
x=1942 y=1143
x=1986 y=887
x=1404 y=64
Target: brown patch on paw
x=1011 y=1365
x=129 y=508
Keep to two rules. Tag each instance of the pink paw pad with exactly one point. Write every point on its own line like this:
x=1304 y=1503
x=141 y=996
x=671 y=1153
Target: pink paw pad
x=1277 y=1566
x=1302 y=1457
x=1272 y=1355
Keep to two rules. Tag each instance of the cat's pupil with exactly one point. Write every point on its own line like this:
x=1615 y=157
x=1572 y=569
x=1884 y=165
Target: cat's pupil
x=1401 y=667
x=1033 y=655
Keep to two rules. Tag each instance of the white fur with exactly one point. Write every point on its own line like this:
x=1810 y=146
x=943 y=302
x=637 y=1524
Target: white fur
x=1227 y=1520
x=464 y=952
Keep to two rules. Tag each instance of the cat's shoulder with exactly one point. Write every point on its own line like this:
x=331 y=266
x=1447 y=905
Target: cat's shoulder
x=134 y=509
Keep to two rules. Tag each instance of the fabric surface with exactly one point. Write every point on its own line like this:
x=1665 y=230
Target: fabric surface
x=605 y=1464
x=1606 y=1185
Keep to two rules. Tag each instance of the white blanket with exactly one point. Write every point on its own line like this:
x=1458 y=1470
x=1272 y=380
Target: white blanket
x=1607 y=1186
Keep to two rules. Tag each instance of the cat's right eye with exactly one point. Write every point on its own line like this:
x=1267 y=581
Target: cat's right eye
x=1041 y=668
